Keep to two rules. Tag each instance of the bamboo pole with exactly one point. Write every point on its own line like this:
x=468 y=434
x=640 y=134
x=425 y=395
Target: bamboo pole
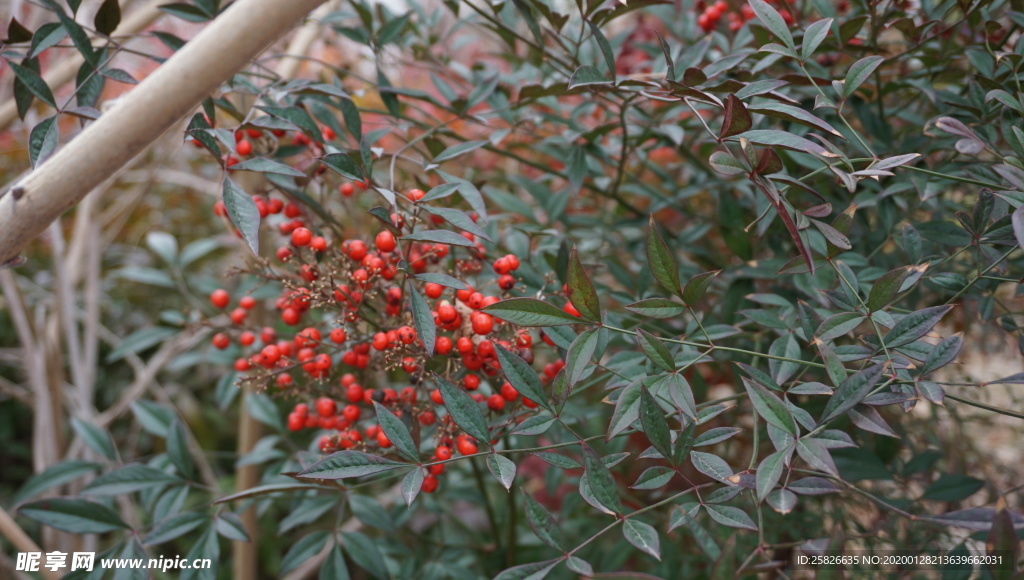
x=21 y=542
x=162 y=99
x=67 y=68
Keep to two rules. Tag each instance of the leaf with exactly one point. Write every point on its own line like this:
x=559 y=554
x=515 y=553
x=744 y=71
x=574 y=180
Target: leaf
x=712 y=466
x=580 y=290
x=43 y=140
x=502 y=468
x=588 y=75
x=695 y=287
x=839 y=324
x=606 y=49
x=643 y=537
x=443 y=280
x=423 y=320
x=814 y=452
x=175 y=527
x=654 y=478
x=243 y=213
x=177 y=450
x=439 y=237
x=77 y=516
x=56 y=475
x=579 y=355
x=396 y=432
x=730 y=516
x=264 y=165
x=737 y=118
x=463 y=410
x=459 y=219
x=34 y=83
x=725 y=164
x=657 y=308
x=943 y=353
x=345 y=464
x=559 y=461
x=795 y=115
x=530 y=312
x=886 y=288
x=1017 y=220
x=309 y=546
x=534 y=425
x=458 y=149
x=773 y=21
x=531 y=571
x=652 y=419
x=542 y=523
x=297 y=117
x=229 y=525
x=681 y=394
x=662 y=262
x=772 y=138
x=655 y=350
x=107 y=17
x=851 y=392
x=953 y=487
x=769 y=472
x=814 y=35
x=412 y=483
x=521 y=375
x=859 y=72
x=95 y=438
x=601 y=480
x=770 y=407
x=130 y=478
x=915 y=325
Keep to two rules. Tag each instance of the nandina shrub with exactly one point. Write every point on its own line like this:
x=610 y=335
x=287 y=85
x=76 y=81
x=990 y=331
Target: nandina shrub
x=692 y=277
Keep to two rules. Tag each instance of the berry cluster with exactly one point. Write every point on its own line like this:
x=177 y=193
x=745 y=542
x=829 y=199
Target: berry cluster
x=711 y=14
x=352 y=298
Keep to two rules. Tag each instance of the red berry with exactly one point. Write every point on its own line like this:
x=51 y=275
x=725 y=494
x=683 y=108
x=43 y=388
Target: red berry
x=338 y=335
x=301 y=236
x=221 y=341
x=238 y=315
x=326 y=407
x=247 y=302
x=466 y=446
x=385 y=241
x=508 y=392
x=247 y=338
x=220 y=298
x=471 y=382
x=483 y=324
x=346 y=189
x=244 y=147
x=496 y=403
x=430 y=484
x=443 y=452
x=433 y=291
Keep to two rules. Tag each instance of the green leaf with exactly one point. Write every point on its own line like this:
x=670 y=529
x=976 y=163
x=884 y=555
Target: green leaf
x=770 y=407
x=444 y=280
x=859 y=72
x=652 y=418
x=814 y=452
x=886 y=288
x=915 y=325
x=602 y=483
x=459 y=219
x=229 y=525
x=534 y=425
x=345 y=464
x=581 y=290
x=502 y=468
x=243 y=213
x=530 y=312
x=662 y=262
x=725 y=164
x=769 y=472
x=712 y=466
x=463 y=410
x=654 y=478
x=335 y=567
x=795 y=115
x=851 y=392
x=542 y=523
x=130 y=478
x=579 y=355
x=43 y=140
x=459 y=149
x=737 y=118
x=364 y=552
x=606 y=48
x=642 y=536
x=107 y=17
x=140 y=340
x=814 y=35
x=774 y=138
x=412 y=483
x=34 y=83
x=943 y=353
x=206 y=547
x=423 y=320
x=839 y=324
x=521 y=375
x=731 y=516
x=396 y=432
x=77 y=516
x=297 y=117
x=953 y=487
x=95 y=438
x=302 y=550
x=655 y=350
x=695 y=287
x=657 y=308
x=559 y=461
x=773 y=21
x=264 y=165
x=532 y=571
x=439 y=237
x=56 y=475
x=177 y=450
x=588 y=75
x=175 y=527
